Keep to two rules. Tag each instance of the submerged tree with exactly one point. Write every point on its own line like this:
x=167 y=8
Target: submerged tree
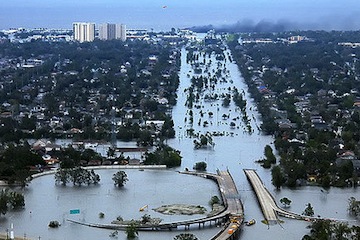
x=10 y=200
x=204 y=141
x=164 y=154
x=185 y=236
x=268 y=152
x=354 y=206
x=326 y=229
x=285 y=201
x=309 y=211
x=200 y=166
x=77 y=176
x=131 y=231
x=120 y=178
x=277 y=177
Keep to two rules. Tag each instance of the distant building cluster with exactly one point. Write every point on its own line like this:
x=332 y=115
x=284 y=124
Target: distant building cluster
x=289 y=40
x=86 y=32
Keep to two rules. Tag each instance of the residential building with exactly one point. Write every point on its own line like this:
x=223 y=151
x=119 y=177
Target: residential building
x=120 y=32
x=109 y=31
x=84 y=32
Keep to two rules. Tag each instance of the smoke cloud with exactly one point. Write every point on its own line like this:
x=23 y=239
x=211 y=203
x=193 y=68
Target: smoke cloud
x=247 y=25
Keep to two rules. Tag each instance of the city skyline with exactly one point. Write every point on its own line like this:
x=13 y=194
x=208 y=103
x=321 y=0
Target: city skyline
x=162 y=15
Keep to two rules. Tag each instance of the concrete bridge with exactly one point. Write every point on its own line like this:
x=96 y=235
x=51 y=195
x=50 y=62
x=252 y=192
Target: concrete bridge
x=267 y=203
x=231 y=218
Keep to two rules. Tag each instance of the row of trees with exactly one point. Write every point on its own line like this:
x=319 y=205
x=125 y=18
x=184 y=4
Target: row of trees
x=163 y=155
x=326 y=229
x=10 y=200
x=15 y=162
x=79 y=176
x=204 y=141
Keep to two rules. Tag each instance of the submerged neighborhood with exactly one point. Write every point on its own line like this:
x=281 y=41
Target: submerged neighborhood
x=69 y=100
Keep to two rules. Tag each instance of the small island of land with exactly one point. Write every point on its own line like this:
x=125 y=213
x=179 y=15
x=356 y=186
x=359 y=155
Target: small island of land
x=180 y=209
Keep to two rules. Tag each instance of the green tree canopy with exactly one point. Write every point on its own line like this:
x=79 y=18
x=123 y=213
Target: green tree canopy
x=277 y=177
x=185 y=236
x=10 y=200
x=15 y=162
x=200 y=166
x=285 y=201
x=164 y=154
x=120 y=178
x=309 y=211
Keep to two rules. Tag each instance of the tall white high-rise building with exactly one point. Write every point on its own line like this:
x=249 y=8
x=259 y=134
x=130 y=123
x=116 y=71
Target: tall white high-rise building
x=108 y=31
x=120 y=32
x=84 y=32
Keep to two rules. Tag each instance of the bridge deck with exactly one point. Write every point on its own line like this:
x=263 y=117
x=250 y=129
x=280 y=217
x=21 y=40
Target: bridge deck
x=234 y=206
x=266 y=201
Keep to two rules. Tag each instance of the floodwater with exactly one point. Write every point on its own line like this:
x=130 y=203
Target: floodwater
x=46 y=201
x=235 y=151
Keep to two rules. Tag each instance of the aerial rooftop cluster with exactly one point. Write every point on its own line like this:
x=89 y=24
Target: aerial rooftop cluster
x=306 y=85
x=103 y=90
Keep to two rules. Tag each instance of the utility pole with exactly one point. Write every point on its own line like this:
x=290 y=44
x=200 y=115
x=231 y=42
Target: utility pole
x=12 y=231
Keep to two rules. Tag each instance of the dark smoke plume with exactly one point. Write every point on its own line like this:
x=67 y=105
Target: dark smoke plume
x=327 y=23
x=250 y=26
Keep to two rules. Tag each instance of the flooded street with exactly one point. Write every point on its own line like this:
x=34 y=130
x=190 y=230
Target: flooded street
x=239 y=151
x=235 y=149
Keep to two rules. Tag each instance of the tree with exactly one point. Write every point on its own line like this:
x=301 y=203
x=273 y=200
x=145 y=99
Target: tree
x=10 y=199
x=309 y=211
x=277 y=177
x=285 y=201
x=341 y=231
x=185 y=236
x=354 y=206
x=131 y=230
x=200 y=166
x=111 y=152
x=3 y=202
x=15 y=162
x=146 y=218
x=326 y=229
x=120 y=178
x=205 y=140
x=320 y=229
x=268 y=152
x=16 y=200
x=164 y=154
x=77 y=176
x=214 y=200
x=62 y=176
x=54 y=224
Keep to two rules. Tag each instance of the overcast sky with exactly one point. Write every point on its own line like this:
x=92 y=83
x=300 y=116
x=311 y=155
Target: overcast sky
x=164 y=14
